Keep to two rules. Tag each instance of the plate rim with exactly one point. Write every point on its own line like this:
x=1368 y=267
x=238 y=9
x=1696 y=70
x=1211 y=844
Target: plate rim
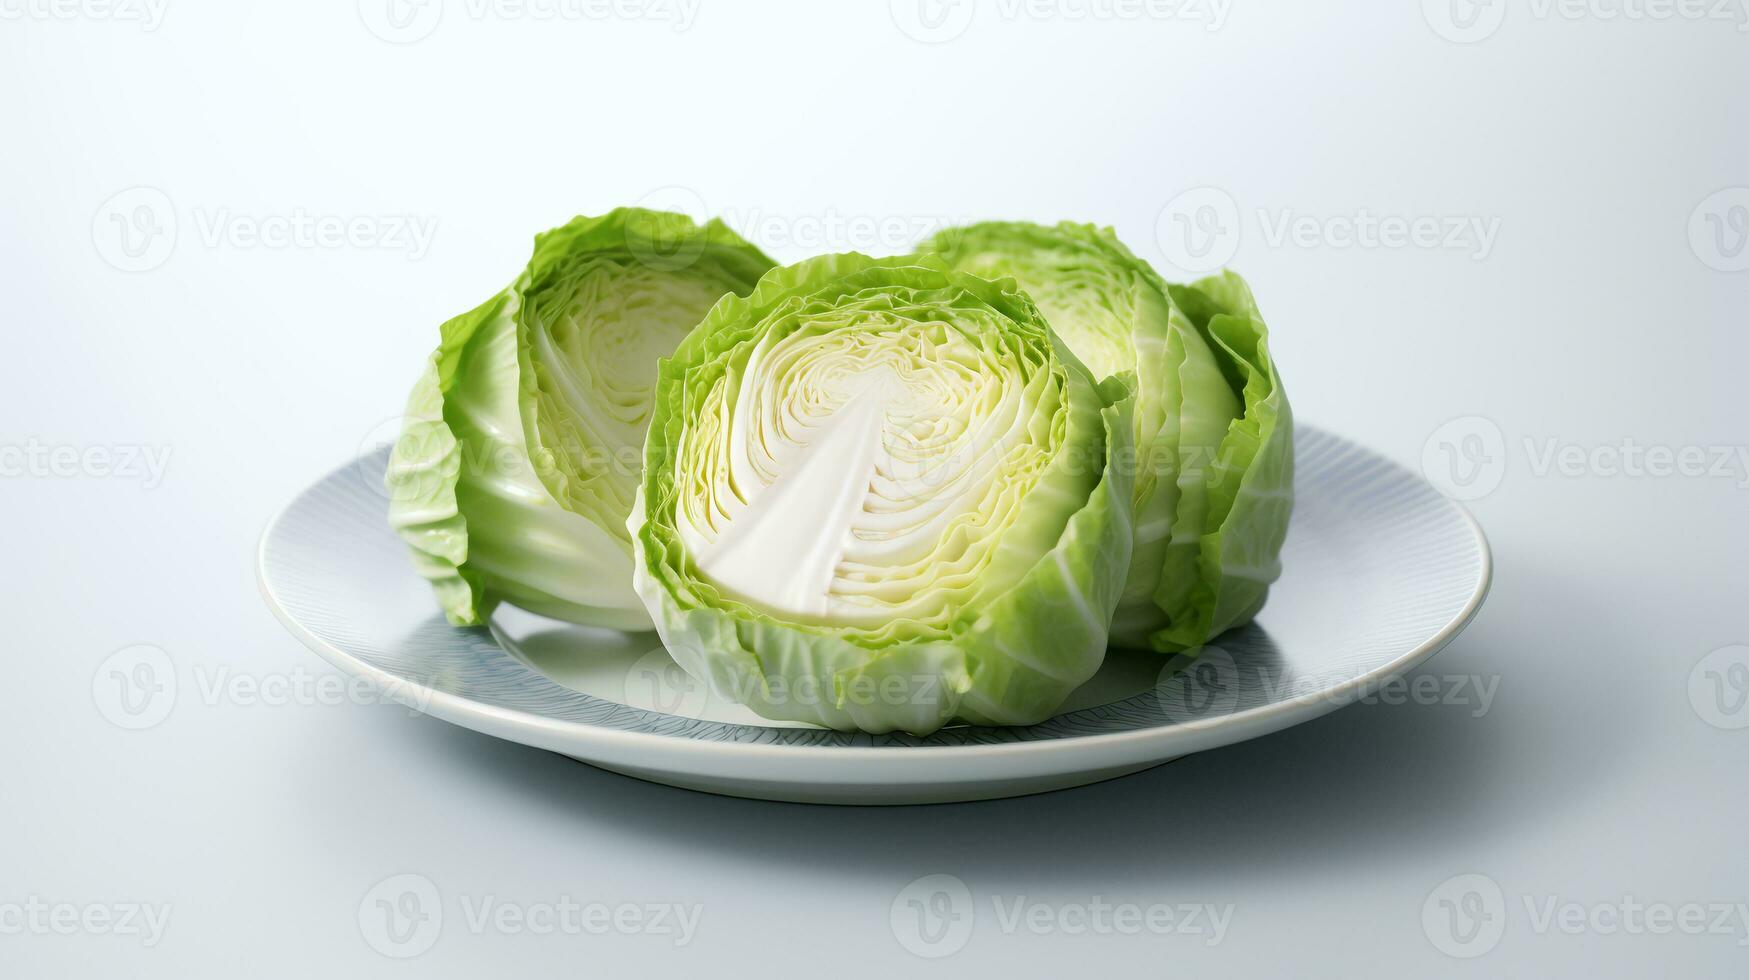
x=1258 y=720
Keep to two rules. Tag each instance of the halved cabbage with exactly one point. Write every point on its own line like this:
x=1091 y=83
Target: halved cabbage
x=518 y=460
x=1213 y=489
x=879 y=494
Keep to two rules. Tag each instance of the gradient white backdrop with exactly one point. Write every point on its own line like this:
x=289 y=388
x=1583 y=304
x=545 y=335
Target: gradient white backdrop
x=1502 y=241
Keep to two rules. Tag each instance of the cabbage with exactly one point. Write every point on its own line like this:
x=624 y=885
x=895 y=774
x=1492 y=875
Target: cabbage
x=518 y=458
x=1213 y=488
x=880 y=494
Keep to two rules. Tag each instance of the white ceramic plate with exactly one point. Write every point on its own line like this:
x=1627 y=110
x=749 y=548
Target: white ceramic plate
x=1381 y=572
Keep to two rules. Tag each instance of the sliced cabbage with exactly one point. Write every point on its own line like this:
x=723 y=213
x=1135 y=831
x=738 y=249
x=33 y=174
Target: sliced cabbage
x=1213 y=432
x=879 y=494
x=519 y=457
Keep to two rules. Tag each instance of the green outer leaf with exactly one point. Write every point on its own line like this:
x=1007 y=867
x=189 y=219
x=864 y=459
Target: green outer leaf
x=423 y=470
x=1010 y=660
x=465 y=493
x=1250 y=484
x=1209 y=409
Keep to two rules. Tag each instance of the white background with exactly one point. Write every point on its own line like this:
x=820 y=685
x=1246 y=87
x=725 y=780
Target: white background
x=1593 y=145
